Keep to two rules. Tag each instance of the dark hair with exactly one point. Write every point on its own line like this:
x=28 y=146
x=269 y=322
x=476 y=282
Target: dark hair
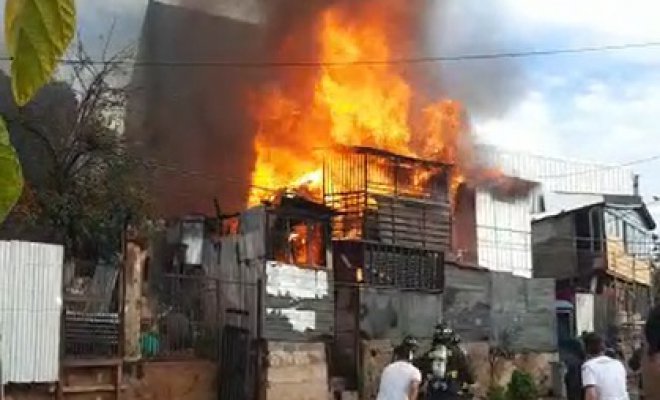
x=593 y=344
x=652 y=331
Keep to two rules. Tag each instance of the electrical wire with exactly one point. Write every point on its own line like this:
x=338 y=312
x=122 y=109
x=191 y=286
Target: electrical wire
x=407 y=60
x=604 y=168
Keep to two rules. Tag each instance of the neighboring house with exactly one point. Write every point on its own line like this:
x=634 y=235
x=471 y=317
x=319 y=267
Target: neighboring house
x=598 y=245
x=503 y=225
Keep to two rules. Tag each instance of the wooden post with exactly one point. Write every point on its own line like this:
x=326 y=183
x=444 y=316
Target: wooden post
x=133 y=266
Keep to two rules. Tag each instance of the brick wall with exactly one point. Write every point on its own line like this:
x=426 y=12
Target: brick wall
x=296 y=371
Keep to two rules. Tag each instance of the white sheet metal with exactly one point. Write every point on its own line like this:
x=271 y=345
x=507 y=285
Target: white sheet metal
x=504 y=234
x=30 y=308
x=584 y=313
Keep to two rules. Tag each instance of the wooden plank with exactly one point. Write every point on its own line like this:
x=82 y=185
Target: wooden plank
x=410 y=208
x=418 y=240
x=408 y=227
x=431 y=223
x=422 y=202
x=626 y=266
x=92 y=388
x=91 y=362
x=133 y=269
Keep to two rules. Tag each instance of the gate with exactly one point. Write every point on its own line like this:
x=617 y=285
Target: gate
x=234 y=368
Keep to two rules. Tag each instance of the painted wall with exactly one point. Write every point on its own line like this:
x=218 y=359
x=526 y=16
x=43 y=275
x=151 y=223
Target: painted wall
x=298 y=302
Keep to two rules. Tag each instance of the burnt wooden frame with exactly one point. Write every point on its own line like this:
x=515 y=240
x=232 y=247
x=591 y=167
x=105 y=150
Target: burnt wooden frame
x=375 y=198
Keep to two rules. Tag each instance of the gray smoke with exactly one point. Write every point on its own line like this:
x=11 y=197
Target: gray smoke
x=192 y=125
x=459 y=27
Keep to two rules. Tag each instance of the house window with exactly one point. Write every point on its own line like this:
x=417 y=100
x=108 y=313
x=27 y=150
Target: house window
x=298 y=241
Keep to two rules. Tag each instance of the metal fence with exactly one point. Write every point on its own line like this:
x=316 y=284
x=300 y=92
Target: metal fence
x=91 y=320
x=184 y=319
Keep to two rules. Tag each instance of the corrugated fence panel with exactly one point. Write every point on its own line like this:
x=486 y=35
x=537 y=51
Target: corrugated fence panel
x=30 y=309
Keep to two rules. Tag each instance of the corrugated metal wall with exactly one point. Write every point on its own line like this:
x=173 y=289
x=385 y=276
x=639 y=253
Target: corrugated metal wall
x=30 y=309
x=504 y=227
x=504 y=232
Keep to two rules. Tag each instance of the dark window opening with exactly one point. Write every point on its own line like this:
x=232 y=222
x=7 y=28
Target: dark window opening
x=582 y=230
x=597 y=230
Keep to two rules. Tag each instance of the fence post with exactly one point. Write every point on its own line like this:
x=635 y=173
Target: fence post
x=2 y=381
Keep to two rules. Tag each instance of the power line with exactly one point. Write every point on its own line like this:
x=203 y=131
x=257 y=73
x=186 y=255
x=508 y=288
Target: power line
x=604 y=168
x=407 y=60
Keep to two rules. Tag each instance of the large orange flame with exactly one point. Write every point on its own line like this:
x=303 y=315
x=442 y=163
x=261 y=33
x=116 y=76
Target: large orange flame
x=354 y=103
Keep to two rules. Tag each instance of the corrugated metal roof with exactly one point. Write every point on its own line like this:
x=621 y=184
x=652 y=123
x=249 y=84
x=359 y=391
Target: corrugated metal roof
x=557 y=174
x=30 y=308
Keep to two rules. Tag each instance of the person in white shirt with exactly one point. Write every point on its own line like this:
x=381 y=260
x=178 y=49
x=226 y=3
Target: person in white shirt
x=400 y=380
x=603 y=377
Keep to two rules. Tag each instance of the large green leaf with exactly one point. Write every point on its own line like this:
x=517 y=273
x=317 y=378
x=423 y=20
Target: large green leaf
x=11 y=179
x=37 y=33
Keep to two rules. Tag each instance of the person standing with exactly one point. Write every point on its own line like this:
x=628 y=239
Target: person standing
x=446 y=370
x=650 y=358
x=603 y=377
x=574 y=359
x=400 y=380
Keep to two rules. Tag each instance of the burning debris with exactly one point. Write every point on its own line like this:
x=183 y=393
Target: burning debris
x=355 y=98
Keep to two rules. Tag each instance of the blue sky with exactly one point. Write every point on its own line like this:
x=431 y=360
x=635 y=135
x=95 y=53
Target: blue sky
x=600 y=106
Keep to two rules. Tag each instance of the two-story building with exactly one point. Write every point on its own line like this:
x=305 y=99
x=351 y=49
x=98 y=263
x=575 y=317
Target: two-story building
x=599 y=249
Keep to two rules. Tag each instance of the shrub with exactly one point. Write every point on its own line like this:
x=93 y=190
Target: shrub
x=497 y=393
x=522 y=387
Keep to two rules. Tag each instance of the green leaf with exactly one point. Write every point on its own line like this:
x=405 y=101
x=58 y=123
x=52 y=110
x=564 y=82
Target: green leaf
x=11 y=179
x=37 y=33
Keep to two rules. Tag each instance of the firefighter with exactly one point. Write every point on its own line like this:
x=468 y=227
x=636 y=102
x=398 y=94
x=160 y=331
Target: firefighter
x=444 y=367
x=462 y=365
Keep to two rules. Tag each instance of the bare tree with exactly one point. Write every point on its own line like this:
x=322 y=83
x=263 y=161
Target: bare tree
x=81 y=180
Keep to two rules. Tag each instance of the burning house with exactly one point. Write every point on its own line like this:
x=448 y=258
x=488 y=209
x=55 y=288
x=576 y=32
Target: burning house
x=391 y=229
x=363 y=186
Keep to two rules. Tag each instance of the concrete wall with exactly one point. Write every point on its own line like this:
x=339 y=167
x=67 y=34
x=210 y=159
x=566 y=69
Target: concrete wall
x=525 y=310
x=395 y=313
x=467 y=302
x=499 y=307
x=296 y=371
x=376 y=354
